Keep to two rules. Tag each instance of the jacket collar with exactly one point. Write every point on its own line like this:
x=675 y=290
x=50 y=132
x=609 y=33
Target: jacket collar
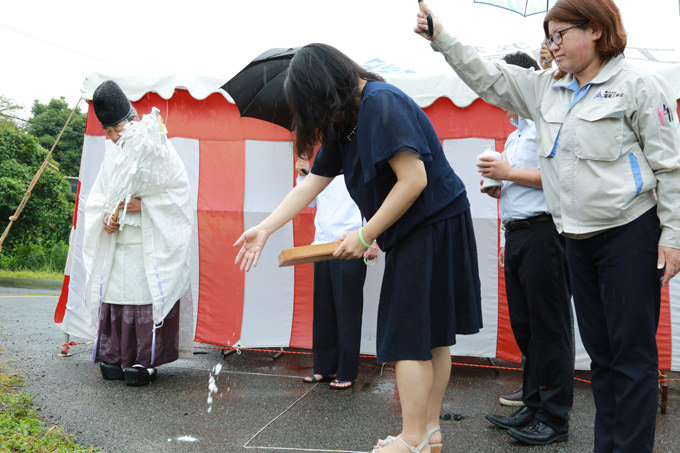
x=607 y=71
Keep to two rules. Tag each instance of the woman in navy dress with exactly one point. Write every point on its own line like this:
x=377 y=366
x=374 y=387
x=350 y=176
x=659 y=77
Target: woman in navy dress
x=417 y=211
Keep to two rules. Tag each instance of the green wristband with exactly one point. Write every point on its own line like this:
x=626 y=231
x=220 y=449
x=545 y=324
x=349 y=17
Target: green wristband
x=361 y=238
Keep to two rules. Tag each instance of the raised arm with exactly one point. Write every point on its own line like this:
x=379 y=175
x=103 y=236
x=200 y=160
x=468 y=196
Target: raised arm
x=507 y=86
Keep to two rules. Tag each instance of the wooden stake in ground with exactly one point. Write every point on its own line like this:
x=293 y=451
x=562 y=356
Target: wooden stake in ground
x=27 y=195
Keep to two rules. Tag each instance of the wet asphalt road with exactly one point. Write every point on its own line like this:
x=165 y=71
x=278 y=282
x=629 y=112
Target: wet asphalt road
x=261 y=403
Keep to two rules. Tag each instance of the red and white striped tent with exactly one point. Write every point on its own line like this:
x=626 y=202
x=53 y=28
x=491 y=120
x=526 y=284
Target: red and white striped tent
x=241 y=168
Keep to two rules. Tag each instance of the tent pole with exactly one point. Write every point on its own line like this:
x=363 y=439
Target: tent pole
x=67 y=340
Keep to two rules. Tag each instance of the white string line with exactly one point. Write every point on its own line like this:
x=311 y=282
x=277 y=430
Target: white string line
x=175 y=367
x=285 y=448
x=263 y=374
x=307 y=449
x=249 y=373
x=278 y=416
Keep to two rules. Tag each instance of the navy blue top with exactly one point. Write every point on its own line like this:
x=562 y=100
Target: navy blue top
x=390 y=122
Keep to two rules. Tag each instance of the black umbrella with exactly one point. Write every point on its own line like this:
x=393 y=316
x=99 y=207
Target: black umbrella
x=258 y=88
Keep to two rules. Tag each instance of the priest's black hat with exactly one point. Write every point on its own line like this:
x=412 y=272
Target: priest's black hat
x=110 y=104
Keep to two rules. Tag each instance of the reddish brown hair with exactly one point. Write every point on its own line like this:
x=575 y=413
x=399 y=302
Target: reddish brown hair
x=600 y=14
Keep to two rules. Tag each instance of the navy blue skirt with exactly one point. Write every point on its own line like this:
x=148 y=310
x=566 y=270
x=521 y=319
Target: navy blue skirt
x=430 y=291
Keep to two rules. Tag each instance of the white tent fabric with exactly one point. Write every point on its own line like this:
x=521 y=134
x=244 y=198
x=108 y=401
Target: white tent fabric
x=424 y=86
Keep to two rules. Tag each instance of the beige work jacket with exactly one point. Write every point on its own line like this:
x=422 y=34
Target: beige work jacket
x=609 y=151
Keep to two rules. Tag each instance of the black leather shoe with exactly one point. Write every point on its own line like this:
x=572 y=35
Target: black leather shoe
x=537 y=433
x=111 y=371
x=519 y=419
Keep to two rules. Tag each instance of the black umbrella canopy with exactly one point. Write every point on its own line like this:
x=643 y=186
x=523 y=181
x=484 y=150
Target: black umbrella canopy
x=258 y=88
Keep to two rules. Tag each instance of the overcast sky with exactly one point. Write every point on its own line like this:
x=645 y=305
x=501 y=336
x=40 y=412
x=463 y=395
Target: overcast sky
x=49 y=47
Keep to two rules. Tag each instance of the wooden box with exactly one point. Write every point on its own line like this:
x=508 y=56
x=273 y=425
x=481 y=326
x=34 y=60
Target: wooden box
x=308 y=254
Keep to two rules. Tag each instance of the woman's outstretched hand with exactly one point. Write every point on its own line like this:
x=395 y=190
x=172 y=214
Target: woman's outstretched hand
x=251 y=242
x=421 y=24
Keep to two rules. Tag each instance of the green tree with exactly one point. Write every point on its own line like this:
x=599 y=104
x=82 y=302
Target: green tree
x=47 y=122
x=8 y=111
x=45 y=221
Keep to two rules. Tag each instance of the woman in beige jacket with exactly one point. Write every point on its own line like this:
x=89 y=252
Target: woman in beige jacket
x=609 y=149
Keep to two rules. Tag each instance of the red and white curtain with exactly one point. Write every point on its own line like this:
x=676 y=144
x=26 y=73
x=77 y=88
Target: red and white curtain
x=240 y=169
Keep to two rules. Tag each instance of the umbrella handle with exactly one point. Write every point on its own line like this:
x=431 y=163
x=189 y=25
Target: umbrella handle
x=428 y=16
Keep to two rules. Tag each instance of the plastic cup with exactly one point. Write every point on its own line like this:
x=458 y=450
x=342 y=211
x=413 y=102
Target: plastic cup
x=490 y=182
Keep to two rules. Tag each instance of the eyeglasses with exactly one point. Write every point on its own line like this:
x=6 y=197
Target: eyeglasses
x=556 y=37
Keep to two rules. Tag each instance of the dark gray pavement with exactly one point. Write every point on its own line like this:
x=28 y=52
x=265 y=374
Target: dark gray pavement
x=261 y=403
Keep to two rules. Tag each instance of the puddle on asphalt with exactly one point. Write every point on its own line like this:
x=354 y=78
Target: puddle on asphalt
x=383 y=388
x=184 y=439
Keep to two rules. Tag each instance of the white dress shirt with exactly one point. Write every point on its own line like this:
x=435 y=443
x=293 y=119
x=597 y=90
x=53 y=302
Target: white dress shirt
x=519 y=201
x=336 y=212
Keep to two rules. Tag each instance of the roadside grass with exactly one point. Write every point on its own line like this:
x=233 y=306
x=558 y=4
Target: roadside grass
x=42 y=275
x=20 y=428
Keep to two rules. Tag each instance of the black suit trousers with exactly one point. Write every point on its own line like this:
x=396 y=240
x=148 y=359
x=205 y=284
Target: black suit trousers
x=539 y=303
x=338 y=310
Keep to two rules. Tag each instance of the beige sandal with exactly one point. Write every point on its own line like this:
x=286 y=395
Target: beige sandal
x=434 y=448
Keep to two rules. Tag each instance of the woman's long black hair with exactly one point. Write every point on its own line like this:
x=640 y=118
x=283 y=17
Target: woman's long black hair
x=321 y=89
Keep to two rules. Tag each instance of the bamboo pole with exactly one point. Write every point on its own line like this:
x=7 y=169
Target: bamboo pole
x=39 y=173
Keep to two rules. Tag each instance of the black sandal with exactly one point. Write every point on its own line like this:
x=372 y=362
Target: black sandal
x=311 y=379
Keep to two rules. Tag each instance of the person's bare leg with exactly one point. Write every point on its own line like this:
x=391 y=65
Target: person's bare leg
x=441 y=367
x=414 y=379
